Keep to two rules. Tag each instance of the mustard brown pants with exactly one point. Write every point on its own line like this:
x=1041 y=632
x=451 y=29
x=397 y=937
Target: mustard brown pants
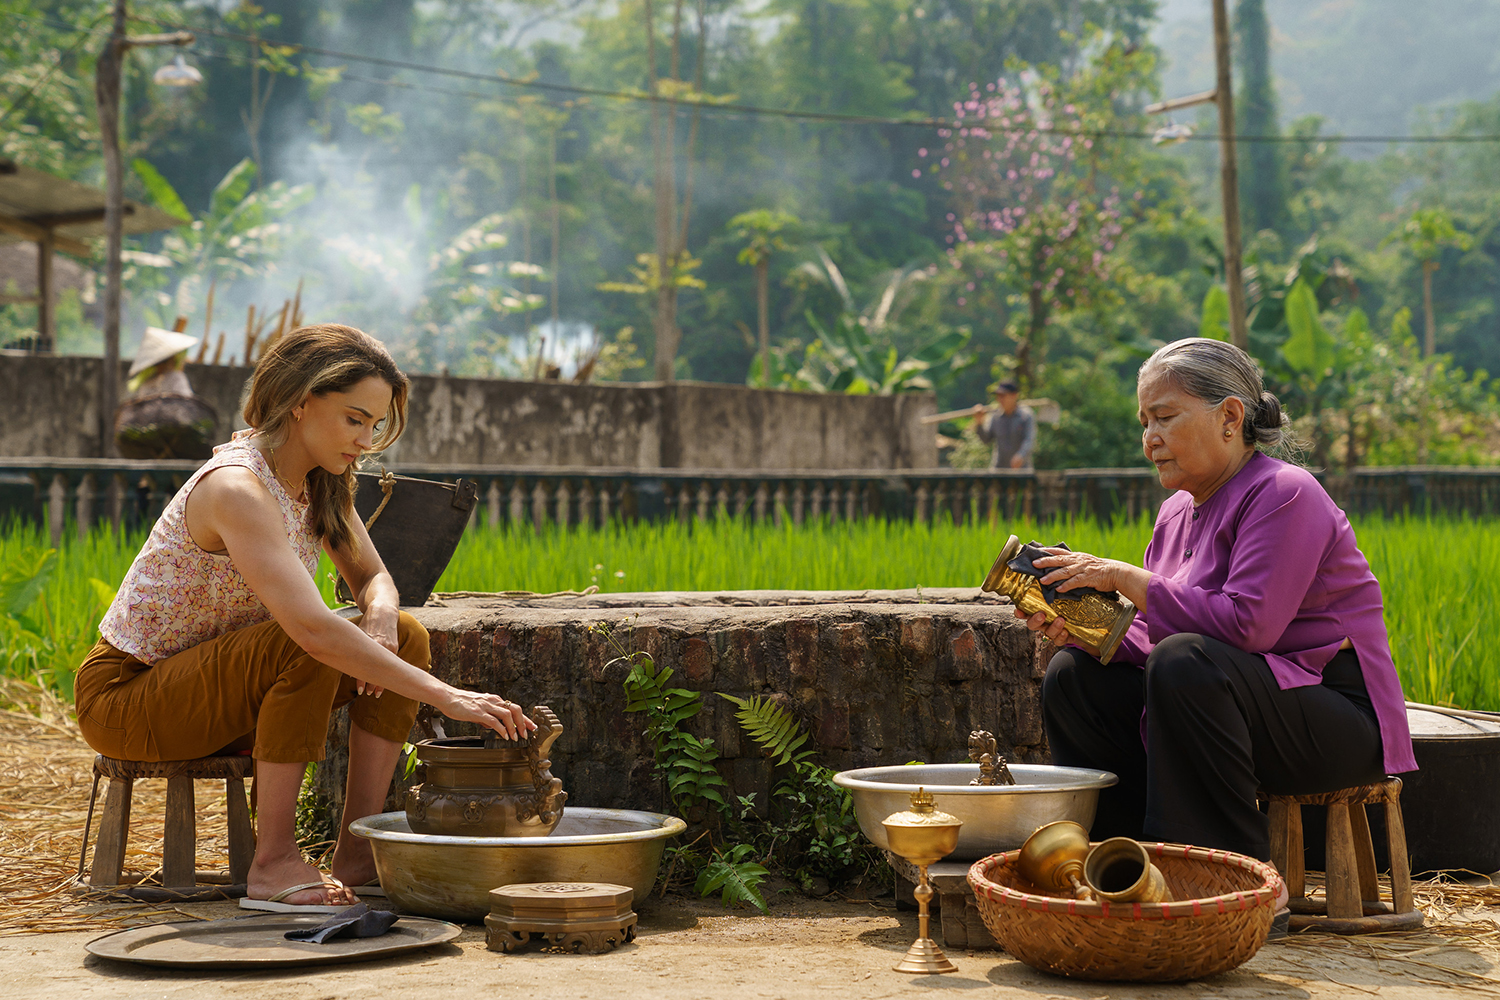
x=253 y=688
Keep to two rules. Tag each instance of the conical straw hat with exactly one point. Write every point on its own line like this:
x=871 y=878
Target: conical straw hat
x=157 y=345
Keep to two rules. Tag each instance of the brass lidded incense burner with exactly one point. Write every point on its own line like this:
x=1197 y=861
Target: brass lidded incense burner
x=486 y=787
x=1094 y=620
x=923 y=836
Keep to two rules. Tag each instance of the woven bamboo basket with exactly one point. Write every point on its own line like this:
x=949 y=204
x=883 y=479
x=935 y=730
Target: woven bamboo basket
x=1220 y=919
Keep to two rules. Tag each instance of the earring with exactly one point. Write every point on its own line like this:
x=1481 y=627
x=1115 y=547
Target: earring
x=1228 y=431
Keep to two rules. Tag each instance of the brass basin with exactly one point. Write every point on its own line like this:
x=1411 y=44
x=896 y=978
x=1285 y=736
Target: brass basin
x=451 y=877
x=996 y=817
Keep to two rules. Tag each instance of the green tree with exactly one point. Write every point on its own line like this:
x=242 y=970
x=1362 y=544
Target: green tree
x=1039 y=204
x=1426 y=233
x=1261 y=186
x=761 y=231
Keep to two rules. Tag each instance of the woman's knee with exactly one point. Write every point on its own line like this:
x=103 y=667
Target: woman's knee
x=412 y=642
x=1180 y=665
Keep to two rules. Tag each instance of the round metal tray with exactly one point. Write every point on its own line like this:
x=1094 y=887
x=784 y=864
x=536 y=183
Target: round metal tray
x=258 y=942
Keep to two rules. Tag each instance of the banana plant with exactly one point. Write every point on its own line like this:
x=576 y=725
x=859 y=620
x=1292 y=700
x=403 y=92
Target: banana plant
x=846 y=359
x=847 y=356
x=240 y=236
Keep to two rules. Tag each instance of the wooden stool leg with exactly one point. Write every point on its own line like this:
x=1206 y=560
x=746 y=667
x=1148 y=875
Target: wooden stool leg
x=241 y=836
x=1280 y=848
x=109 y=852
x=1364 y=853
x=1296 y=861
x=1395 y=836
x=1343 y=872
x=178 y=867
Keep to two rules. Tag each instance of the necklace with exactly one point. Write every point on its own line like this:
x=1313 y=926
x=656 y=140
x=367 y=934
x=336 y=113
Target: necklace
x=294 y=491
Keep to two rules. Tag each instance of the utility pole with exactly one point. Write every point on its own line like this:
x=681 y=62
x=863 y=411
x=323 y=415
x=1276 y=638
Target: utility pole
x=1229 y=181
x=107 y=77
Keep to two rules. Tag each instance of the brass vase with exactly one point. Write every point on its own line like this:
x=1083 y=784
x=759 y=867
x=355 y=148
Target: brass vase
x=1094 y=621
x=1120 y=870
x=1052 y=859
x=484 y=787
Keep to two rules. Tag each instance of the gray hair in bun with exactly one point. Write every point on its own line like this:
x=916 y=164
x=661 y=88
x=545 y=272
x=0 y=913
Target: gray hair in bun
x=1213 y=371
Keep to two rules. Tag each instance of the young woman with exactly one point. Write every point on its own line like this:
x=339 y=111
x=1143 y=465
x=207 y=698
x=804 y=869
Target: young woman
x=218 y=640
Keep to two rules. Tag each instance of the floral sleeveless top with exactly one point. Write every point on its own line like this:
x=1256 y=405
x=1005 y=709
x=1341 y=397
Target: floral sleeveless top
x=177 y=595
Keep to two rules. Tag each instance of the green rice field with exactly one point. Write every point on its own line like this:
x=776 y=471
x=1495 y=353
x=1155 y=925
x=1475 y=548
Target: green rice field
x=1436 y=610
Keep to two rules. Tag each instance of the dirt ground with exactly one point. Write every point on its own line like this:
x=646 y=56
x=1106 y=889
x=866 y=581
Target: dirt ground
x=806 y=950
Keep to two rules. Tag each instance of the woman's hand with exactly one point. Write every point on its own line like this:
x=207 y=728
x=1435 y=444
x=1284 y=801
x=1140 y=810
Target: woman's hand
x=379 y=623
x=1071 y=570
x=489 y=710
x=1055 y=630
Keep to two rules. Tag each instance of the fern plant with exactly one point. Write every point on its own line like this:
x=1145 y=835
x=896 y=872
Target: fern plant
x=736 y=878
x=814 y=819
x=684 y=762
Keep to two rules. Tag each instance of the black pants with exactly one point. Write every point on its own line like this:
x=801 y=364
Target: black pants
x=1217 y=729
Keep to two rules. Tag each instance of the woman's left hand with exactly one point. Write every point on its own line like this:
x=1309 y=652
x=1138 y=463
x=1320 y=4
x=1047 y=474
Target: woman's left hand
x=379 y=623
x=1071 y=570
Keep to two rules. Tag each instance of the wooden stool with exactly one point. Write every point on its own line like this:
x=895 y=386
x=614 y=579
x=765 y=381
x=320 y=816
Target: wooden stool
x=1354 y=905
x=179 y=875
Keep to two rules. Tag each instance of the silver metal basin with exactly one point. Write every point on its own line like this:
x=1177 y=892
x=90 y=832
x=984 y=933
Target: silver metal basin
x=451 y=877
x=996 y=817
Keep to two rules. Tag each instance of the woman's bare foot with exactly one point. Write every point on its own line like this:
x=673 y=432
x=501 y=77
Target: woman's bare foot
x=268 y=876
x=353 y=861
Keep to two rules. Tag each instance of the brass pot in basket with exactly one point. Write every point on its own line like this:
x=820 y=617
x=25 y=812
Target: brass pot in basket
x=1119 y=870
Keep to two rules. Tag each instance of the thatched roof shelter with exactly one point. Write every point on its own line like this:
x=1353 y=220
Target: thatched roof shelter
x=58 y=215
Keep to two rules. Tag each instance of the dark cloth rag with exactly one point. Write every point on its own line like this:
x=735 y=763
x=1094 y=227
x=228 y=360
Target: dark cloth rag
x=357 y=921
x=1034 y=550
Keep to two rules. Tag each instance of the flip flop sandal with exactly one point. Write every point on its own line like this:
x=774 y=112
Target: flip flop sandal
x=371 y=889
x=276 y=905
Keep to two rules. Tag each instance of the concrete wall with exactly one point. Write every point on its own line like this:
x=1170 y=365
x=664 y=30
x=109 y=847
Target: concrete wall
x=48 y=406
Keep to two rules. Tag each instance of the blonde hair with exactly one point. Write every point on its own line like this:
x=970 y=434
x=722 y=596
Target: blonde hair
x=316 y=360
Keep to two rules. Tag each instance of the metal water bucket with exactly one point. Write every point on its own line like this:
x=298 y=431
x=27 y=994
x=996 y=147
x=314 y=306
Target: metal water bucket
x=416 y=525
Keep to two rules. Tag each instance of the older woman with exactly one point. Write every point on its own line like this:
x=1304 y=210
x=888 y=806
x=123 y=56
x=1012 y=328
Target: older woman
x=1259 y=658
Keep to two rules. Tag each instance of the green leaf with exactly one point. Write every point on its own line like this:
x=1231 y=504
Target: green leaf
x=770 y=725
x=103 y=592
x=23 y=581
x=161 y=191
x=1215 y=321
x=232 y=189
x=1309 y=350
x=943 y=348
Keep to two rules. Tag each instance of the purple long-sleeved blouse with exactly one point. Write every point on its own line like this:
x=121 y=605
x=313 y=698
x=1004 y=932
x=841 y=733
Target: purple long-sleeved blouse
x=1269 y=564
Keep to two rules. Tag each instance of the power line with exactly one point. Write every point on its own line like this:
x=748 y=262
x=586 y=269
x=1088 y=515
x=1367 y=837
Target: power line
x=831 y=117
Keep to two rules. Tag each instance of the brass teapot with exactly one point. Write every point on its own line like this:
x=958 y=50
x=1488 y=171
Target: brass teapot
x=1095 y=621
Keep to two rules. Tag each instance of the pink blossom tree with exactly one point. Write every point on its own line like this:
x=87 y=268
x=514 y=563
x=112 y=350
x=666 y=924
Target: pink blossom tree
x=1037 y=209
